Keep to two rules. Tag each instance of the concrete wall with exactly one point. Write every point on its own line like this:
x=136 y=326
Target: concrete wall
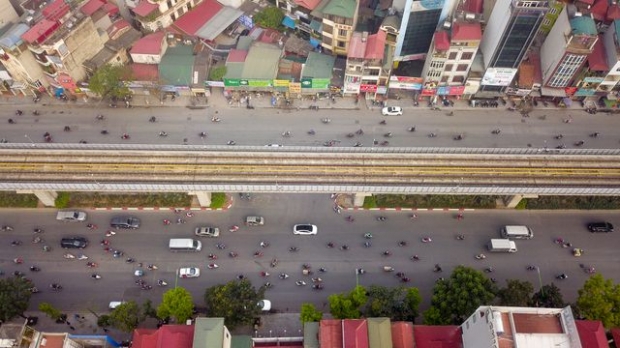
x=494 y=30
x=7 y=13
x=82 y=43
x=24 y=68
x=554 y=47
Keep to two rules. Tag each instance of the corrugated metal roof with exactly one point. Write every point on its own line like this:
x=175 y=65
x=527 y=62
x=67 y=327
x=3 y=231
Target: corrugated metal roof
x=236 y=56
x=209 y=332
x=234 y=70
x=341 y=8
x=466 y=31
x=144 y=8
x=596 y=59
x=150 y=44
x=583 y=26
x=357 y=47
x=262 y=61
x=375 y=48
x=355 y=333
x=591 y=333
x=218 y=23
x=91 y=6
x=12 y=37
x=177 y=66
x=402 y=334
x=319 y=66
x=448 y=336
x=330 y=333
x=311 y=335
x=442 y=42
x=379 y=333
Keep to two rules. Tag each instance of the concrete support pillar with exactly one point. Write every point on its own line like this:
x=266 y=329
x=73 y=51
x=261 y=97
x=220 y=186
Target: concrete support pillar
x=512 y=201
x=48 y=198
x=358 y=198
x=204 y=198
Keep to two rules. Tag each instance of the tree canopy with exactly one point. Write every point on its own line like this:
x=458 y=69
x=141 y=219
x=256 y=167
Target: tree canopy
x=217 y=73
x=176 y=303
x=599 y=299
x=399 y=303
x=309 y=313
x=235 y=301
x=126 y=316
x=348 y=306
x=108 y=81
x=516 y=293
x=548 y=296
x=270 y=17
x=14 y=297
x=454 y=299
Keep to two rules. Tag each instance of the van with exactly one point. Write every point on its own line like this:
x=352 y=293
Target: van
x=502 y=246
x=184 y=244
x=516 y=232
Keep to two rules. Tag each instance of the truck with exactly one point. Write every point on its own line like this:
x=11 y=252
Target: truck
x=502 y=246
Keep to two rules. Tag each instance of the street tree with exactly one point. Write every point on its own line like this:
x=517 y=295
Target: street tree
x=455 y=298
x=270 y=17
x=309 y=313
x=51 y=311
x=399 y=303
x=176 y=303
x=599 y=299
x=348 y=306
x=217 y=73
x=107 y=81
x=235 y=301
x=14 y=297
x=126 y=316
x=516 y=293
x=548 y=296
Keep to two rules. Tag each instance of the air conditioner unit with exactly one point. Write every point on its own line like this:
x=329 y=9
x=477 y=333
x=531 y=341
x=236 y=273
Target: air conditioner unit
x=470 y=16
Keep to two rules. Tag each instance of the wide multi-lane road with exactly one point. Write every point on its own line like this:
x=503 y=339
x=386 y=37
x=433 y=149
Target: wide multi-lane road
x=265 y=126
x=149 y=245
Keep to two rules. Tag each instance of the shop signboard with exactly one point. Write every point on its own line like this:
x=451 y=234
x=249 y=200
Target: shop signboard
x=235 y=83
x=406 y=82
x=260 y=83
x=498 y=76
x=443 y=90
x=368 y=88
x=457 y=90
x=281 y=83
x=294 y=87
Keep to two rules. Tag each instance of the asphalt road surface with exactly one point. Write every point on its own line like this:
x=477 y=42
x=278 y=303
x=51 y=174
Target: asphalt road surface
x=265 y=126
x=149 y=245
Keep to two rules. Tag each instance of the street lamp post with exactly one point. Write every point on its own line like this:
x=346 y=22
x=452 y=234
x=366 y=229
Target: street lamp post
x=542 y=291
x=357 y=277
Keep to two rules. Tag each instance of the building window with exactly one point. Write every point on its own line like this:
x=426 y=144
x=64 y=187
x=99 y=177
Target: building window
x=458 y=79
x=467 y=55
x=461 y=67
x=449 y=67
x=341 y=44
x=342 y=32
x=444 y=79
x=169 y=3
x=452 y=56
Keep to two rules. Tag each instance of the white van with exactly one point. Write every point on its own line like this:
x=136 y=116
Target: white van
x=516 y=232
x=114 y=304
x=502 y=246
x=184 y=244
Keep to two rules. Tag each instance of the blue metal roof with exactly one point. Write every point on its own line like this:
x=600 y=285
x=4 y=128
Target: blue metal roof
x=583 y=26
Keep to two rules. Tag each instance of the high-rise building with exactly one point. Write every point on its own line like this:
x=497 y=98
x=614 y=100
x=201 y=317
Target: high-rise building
x=510 y=31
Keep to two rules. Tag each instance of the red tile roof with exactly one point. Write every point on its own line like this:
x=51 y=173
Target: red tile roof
x=596 y=59
x=463 y=31
x=177 y=336
x=144 y=72
x=192 y=21
x=613 y=12
x=330 y=333
x=355 y=333
x=442 y=42
x=357 y=46
x=90 y=7
x=144 y=8
x=117 y=27
x=150 y=44
x=615 y=334
x=526 y=75
x=110 y=9
x=271 y=36
x=237 y=56
x=402 y=334
x=309 y=4
x=599 y=9
x=437 y=336
x=473 y=6
x=591 y=334
x=40 y=31
x=56 y=10
x=376 y=45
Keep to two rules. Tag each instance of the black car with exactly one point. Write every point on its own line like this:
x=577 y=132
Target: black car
x=125 y=221
x=600 y=227
x=74 y=243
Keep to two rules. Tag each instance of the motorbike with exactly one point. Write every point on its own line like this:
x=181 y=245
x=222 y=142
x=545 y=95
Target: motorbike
x=180 y=221
x=162 y=282
x=151 y=267
x=480 y=257
x=411 y=129
x=163 y=134
x=231 y=142
x=317 y=280
x=317 y=286
x=212 y=257
x=34 y=290
x=459 y=137
x=415 y=258
x=311 y=132
x=387 y=135
x=220 y=246
x=495 y=131
x=118 y=253
x=274 y=263
x=202 y=135
x=326 y=120
x=594 y=135
x=283 y=276
x=489 y=270
x=437 y=269
x=68 y=256
x=268 y=285
x=402 y=243
x=18 y=260
x=432 y=135
x=426 y=240
x=322 y=270
x=330 y=245
x=67 y=129
x=386 y=253
x=460 y=237
x=91 y=226
x=344 y=247
x=580 y=143
x=55 y=287
x=350 y=135
x=350 y=218
x=16 y=243
x=264 y=274
x=368 y=236
x=286 y=134
x=383 y=122
x=388 y=269
x=337 y=209
x=300 y=283
x=7 y=228
x=105 y=132
x=367 y=244
x=559 y=136
x=385 y=143
x=263 y=244
x=258 y=254
x=212 y=266
x=215 y=119
x=38 y=230
x=91 y=265
x=130 y=260
x=19 y=112
x=95 y=276
x=561 y=276
x=125 y=136
x=531 y=268
x=99 y=117
x=153 y=119
x=293 y=249
x=233 y=254
x=82 y=257
x=381 y=218
x=34 y=269
x=358 y=144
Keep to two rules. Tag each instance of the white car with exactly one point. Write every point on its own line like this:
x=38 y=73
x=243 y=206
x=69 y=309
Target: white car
x=189 y=272
x=264 y=305
x=71 y=215
x=392 y=111
x=305 y=229
x=205 y=231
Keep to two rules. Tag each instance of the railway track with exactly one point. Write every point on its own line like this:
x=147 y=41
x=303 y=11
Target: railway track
x=84 y=165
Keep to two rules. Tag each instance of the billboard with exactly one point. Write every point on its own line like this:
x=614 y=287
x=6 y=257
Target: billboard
x=406 y=82
x=498 y=76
